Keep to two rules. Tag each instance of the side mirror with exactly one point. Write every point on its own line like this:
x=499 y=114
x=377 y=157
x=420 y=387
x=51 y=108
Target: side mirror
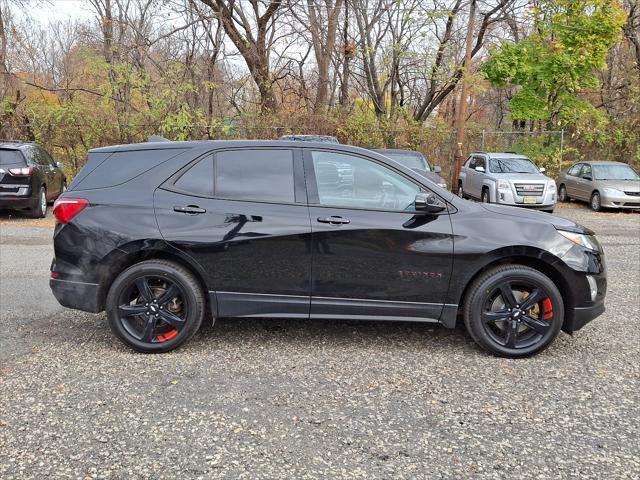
x=428 y=202
x=587 y=177
x=542 y=169
x=59 y=164
x=480 y=169
x=437 y=169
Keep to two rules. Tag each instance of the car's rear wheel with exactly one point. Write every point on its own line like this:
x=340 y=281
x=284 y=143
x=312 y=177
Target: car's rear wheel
x=155 y=306
x=513 y=311
x=40 y=209
x=460 y=190
x=596 y=204
x=562 y=194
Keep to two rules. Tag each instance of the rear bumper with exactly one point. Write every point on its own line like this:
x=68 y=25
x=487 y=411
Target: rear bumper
x=11 y=202
x=76 y=295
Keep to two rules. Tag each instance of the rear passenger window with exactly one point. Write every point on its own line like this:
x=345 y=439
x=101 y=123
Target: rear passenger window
x=198 y=180
x=259 y=175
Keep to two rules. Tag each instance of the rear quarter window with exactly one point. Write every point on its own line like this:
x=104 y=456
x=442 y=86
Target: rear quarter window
x=11 y=157
x=198 y=180
x=120 y=167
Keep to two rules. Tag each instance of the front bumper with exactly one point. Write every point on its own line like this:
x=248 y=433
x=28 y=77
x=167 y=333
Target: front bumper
x=578 y=317
x=546 y=201
x=76 y=295
x=624 y=201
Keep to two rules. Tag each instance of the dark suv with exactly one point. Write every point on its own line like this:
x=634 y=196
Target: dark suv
x=164 y=235
x=29 y=177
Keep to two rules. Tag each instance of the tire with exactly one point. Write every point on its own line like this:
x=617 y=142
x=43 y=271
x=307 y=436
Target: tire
x=595 y=203
x=562 y=194
x=40 y=209
x=155 y=334
x=546 y=315
x=460 y=190
x=486 y=198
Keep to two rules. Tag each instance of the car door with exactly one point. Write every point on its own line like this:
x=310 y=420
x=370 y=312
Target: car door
x=478 y=178
x=247 y=226
x=571 y=180
x=373 y=254
x=584 y=183
x=469 y=175
x=54 y=174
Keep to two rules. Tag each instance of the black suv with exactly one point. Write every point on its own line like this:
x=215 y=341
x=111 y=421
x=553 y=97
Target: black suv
x=164 y=235
x=29 y=177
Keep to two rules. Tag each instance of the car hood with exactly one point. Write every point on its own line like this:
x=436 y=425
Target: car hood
x=624 y=185
x=521 y=177
x=557 y=222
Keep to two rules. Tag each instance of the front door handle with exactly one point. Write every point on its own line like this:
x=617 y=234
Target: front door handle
x=334 y=220
x=189 y=209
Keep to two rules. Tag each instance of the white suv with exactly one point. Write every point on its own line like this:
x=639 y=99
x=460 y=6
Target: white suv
x=508 y=179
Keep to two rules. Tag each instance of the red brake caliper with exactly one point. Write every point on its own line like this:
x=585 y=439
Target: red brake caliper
x=547 y=309
x=170 y=335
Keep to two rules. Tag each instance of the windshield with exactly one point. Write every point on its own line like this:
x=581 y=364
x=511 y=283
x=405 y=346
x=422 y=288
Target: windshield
x=10 y=157
x=614 y=172
x=410 y=160
x=512 y=165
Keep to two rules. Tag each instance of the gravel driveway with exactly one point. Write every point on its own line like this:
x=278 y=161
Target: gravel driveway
x=313 y=399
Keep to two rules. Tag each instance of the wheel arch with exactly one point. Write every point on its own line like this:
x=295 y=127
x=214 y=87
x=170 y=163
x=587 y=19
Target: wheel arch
x=130 y=254
x=533 y=258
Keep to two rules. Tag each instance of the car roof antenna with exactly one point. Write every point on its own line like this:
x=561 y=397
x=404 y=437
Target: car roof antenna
x=157 y=138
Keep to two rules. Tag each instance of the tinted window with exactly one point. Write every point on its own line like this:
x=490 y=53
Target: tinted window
x=354 y=182
x=120 y=167
x=198 y=180
x=11 y=157
x=46 y=158
x=260 y=175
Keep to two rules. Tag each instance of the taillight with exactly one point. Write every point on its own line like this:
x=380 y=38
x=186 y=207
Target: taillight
x=25 y=171
x=65 y=209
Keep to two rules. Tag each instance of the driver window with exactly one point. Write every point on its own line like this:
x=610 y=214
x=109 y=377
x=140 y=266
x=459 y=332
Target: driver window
x=353 y=182
x=481 y=163
x=586 y=171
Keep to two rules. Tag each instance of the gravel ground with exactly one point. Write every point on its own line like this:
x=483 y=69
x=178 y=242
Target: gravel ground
x=312 y=399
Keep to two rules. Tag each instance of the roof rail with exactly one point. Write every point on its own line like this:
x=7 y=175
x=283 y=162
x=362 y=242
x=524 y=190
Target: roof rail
x=3 y=140
x=157 y=138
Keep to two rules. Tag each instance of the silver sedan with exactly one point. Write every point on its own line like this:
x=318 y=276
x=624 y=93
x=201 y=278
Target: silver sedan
x=602 y=184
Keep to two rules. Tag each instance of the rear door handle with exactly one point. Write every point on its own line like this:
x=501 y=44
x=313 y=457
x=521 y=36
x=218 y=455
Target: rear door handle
x=334 y=220
x=189 y=209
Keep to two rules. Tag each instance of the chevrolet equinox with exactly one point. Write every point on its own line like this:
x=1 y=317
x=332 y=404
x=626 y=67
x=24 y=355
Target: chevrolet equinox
x=163 y=235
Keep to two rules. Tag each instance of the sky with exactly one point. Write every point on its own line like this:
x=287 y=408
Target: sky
x=60 y=10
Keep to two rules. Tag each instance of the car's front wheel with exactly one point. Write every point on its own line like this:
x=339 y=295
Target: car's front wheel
x=155 y=306
x=513 y=311
x=485 y=195
x=562 y=194
x=596 y=204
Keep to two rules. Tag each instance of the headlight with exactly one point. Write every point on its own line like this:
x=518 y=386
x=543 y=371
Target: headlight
x=552 y=185
x=586 y=241
x=612 y=191
x=503 y=185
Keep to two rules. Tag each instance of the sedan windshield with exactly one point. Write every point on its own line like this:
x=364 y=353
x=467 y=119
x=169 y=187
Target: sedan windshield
x=410 y=160
x=614 y=172
x=512 y=165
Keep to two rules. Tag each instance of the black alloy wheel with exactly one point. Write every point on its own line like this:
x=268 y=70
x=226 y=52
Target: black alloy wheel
x=155 y=306
x=514 y=311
